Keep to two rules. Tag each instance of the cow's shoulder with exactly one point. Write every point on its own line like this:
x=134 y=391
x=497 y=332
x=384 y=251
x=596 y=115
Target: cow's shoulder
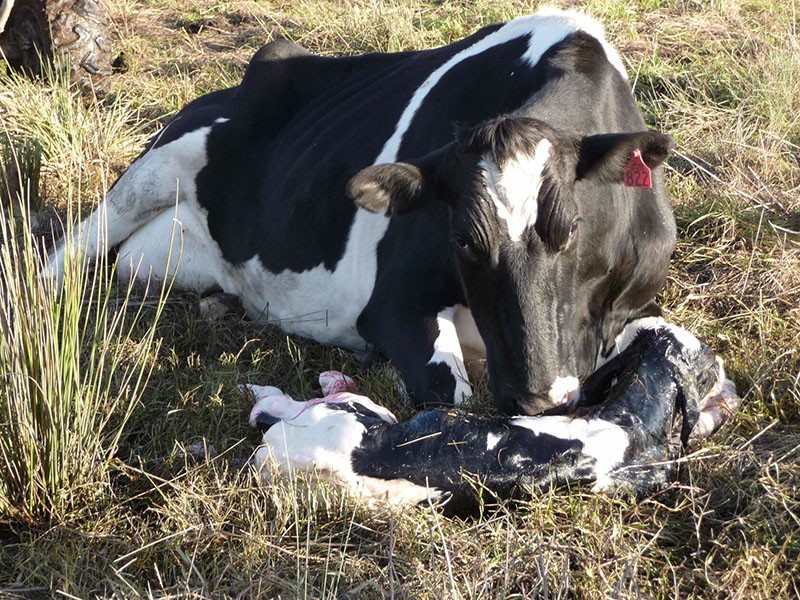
x=283 y=77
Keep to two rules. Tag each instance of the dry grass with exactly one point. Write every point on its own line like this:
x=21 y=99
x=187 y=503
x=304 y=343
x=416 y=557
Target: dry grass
x=722 y=76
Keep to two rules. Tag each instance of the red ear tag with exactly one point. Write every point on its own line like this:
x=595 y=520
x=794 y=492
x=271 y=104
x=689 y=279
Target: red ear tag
x=637 y=173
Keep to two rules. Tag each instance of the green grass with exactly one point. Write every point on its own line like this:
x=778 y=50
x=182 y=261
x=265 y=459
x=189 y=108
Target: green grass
x=74 y=367
x=134 y=510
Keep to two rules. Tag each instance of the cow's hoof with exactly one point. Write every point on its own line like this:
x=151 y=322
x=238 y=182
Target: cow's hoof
x=217 y=306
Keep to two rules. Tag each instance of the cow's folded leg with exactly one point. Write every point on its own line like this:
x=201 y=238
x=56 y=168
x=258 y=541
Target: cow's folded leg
x=159 y=179
x=172 y=244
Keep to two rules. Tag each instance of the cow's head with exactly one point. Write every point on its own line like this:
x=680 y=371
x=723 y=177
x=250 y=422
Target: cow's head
x=555 y=254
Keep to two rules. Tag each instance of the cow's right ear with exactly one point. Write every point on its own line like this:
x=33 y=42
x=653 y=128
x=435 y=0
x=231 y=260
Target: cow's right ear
x=604 y=157
x=395 y=188
x=399 y=188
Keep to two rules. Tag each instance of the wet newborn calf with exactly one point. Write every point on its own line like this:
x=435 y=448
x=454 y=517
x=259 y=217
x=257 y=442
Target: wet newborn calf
x=620 y=436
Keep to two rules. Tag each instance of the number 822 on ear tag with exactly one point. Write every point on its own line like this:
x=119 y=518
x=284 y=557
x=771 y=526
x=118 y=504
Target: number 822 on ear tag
x=637 y=174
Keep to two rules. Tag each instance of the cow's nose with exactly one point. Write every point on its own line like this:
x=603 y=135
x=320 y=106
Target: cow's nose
x=560 y=399
x=565 y=392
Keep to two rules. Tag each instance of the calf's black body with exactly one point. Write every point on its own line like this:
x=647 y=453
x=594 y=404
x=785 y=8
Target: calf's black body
x=623 y=434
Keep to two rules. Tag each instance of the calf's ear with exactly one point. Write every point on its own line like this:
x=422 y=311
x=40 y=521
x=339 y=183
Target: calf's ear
x=399 y=188
x=605 y=157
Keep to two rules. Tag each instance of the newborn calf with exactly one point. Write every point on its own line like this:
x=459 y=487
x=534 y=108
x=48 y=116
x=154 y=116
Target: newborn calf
x=620 y=437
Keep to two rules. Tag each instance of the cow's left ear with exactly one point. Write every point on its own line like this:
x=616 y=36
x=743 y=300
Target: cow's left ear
x=394 y=188
x=605 y=157
x=399 y=188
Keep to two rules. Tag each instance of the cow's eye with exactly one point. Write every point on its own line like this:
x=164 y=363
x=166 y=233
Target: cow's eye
x=573 y=229
x=464 y=245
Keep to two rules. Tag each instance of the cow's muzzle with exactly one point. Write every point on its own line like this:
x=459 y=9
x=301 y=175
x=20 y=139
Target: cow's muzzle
x=562 y=398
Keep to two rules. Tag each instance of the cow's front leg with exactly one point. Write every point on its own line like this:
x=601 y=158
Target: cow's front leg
x=425 y=350
x=448 y=355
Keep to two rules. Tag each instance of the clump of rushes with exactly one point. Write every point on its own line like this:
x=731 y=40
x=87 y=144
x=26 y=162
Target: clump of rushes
x=73 y=365
x=20 y=166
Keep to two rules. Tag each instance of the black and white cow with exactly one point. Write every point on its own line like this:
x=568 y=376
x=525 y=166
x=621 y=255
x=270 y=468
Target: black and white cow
x=622 y=437
x=333 y=197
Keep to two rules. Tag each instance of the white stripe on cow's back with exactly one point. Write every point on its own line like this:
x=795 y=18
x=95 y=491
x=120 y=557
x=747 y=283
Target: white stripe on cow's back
x=545 y=28
x=556 y=24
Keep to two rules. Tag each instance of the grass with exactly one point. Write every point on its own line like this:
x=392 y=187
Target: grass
x=74 y=367
x=145 y=513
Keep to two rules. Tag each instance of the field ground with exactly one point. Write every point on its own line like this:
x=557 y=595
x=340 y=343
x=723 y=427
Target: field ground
x=137 y=511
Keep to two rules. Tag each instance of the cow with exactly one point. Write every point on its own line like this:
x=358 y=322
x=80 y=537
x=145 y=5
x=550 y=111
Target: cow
x=497 y=198
x=662 y=388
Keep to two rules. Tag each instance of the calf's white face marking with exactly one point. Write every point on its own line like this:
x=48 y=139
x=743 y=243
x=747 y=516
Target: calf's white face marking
x=514 y=188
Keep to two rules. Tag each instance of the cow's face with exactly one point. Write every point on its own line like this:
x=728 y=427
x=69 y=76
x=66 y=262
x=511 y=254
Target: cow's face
x=546 y=245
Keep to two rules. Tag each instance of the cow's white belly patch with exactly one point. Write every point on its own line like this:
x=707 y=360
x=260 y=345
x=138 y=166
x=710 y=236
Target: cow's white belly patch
x=317 y=303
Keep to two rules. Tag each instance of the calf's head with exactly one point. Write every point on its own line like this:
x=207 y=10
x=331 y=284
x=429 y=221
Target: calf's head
x=555 y=255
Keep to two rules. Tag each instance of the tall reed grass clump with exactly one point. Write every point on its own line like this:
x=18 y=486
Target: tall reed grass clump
x=73 y=364
x=20 y=163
